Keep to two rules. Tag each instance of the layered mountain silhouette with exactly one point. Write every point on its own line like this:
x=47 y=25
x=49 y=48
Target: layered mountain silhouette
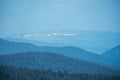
x=7 y=47
x=55 y=62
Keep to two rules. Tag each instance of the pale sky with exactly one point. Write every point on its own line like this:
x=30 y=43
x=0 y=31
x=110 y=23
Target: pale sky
x=19 y=16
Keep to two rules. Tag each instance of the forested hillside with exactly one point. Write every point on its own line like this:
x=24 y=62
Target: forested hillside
x=12 y=73
x=55 y=62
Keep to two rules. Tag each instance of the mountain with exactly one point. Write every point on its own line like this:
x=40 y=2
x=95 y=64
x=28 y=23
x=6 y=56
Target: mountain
x=36 y=42
x=82 y=54
x=13 y=73
x=113 y=53
x=93 y=41
x=55 y=62
x=7 y=47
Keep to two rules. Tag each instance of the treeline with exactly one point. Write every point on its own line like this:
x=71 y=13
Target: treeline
x=12 y=73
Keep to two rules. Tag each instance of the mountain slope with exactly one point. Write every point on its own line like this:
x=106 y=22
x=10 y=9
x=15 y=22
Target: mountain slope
x=45 y=61
x=113 y=53
x=83 y=55
x=7 y=47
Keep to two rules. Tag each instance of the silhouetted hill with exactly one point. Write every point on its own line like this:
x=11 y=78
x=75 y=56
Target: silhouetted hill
x=37 y=42
x=7 y=47
x=113 y=53
x=55 y=62
x=13 y=73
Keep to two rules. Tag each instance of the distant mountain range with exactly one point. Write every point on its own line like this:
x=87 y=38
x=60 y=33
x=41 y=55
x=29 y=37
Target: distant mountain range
x=36 y=42
x=7 y=47
x=93 y=41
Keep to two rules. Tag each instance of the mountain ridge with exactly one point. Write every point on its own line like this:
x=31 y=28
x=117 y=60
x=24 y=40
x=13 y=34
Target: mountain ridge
x=56 y=62
x=113 y=53
x=78 y=53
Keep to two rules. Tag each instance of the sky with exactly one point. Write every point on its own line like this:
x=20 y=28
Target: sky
x=20 y=16
x=90 y=18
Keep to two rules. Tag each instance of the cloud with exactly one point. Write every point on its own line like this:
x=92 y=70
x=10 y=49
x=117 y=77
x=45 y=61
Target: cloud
x=27 y=35
x=71 y=34
x=42 y=35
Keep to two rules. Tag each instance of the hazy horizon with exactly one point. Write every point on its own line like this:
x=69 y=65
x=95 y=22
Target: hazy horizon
x=51 y=15
x=63 y=17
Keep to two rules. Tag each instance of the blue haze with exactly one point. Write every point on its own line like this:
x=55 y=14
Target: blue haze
x=34 y=16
